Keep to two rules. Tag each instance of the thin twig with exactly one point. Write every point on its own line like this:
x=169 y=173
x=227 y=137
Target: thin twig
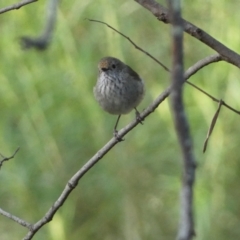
x=212 y=125
x=215 y=99
x=135 y=45
x=229 y=107
x=16 y=219
x=202 y=63
x=8 y=158
x=207 y=94
x=16 y=6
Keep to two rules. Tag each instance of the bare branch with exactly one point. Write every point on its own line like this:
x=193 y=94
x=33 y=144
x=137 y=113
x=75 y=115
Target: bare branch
x=8 y=158
x=199 y=65
x=213 y=123
x=72 y=183
x=42 y=42
x=186 y=222
x=215 y=99
x=162 y=14
x=135 y=45
x=16 y=6
x=229 y=107
x=16 y=219
x=202 y=63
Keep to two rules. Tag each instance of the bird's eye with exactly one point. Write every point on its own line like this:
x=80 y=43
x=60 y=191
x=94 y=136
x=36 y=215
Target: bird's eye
x=113 y=66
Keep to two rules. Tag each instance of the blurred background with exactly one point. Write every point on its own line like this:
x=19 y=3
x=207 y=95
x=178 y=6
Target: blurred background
x=48 y=109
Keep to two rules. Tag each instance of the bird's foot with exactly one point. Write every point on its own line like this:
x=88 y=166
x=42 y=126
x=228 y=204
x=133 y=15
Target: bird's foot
x=117 y=137
x=138 y=117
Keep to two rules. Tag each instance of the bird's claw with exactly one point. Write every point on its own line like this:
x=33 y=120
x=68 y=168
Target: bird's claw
x=117 y=137
x=139 y=118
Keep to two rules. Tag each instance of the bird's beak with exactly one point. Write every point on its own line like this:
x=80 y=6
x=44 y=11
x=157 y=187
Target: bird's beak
x=104 y=69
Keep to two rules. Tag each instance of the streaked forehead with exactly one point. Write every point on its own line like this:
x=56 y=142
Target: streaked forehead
x=104 y=63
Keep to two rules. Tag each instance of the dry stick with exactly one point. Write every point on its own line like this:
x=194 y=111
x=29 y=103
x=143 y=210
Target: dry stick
x=207 y=60
x=213 y=123
x=186 y=221
x=204 y=62
x=16 y=6
x=8 y=158
x=162 y=14
x=16 y=219
x=216 y=100
x=72 y=183
x=135 y=45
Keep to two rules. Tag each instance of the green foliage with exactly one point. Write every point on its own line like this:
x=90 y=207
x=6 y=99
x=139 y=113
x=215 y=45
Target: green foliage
x=48 y=109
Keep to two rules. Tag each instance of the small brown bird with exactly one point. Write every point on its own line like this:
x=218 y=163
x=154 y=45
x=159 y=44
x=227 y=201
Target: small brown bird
x=119 y=89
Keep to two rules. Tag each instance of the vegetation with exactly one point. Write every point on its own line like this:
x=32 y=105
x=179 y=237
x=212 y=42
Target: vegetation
x=48 y=109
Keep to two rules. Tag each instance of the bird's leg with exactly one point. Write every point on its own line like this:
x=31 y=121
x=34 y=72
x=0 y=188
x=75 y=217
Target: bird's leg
x=115 y=131
x=138 y=117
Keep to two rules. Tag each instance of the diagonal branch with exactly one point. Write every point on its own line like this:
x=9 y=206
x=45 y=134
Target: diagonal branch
x=213 y=123
x=8 y=158
x=16 y=219
x=162 y=14
x=199 y=65
x=202 y=63
x=16 y=6
x=133 y=43
x=72 y=183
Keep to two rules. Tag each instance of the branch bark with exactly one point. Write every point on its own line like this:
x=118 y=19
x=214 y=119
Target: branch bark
x=8 y=158
x=16 y=219
x=16 y=6
x=186 y=222
x=162 y=14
